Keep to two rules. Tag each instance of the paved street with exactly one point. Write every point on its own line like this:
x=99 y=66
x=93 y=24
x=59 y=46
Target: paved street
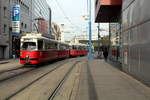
x=89 y=80
x=35 y=83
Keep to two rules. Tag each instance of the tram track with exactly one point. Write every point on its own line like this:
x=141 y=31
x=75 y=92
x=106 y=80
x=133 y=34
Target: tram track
x=60 y=84
x=37 y=79
x=8 y=74
x=14 y=72
x=11 y=69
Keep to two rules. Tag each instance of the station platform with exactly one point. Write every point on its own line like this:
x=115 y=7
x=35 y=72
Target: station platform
x=100 y=80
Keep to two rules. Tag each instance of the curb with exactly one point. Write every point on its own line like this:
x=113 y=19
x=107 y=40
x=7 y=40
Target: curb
x=4 y=62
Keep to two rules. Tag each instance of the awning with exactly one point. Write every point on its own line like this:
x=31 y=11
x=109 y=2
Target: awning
x=108 y=10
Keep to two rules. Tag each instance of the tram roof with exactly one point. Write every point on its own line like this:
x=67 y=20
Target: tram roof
x=78 y=44
x=36 y=36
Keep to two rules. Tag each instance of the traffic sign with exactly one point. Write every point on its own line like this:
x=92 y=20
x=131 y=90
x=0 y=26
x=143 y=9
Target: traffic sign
x=16 y=19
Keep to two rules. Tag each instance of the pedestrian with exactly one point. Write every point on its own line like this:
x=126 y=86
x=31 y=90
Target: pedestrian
x=105 y=53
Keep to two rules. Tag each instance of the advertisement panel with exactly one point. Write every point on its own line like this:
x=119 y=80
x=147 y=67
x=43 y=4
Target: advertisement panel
x=16 y=19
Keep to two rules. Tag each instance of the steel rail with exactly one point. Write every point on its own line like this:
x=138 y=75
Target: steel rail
x=17 y=73
x=11 y=69
x=62 y=82
x=37 y=79
x=9 y=76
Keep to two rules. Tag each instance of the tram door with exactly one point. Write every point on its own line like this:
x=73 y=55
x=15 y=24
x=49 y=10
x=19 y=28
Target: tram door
x=1 y=52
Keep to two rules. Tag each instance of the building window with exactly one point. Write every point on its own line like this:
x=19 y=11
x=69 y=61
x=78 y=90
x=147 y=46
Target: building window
x=22 y=25
x=24 y=7
x=5 y=26
x=5 y=8
x=25 y=26
x=19 y=1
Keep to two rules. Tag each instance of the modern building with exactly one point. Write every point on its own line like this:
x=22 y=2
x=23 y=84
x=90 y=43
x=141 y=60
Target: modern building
x=115 y=34
x=62 y=28
x=56 y=32
x=109 y=11
x=4 y=29
x=133 y=15
x=35 y=15
x=136 y=39
x=41 y=17
x=10 y=42
x=77 y=39
x=85 y=39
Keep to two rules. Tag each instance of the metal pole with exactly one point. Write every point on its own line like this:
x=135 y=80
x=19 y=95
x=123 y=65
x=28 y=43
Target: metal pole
x=31 y=16
x=98 y=39
x=90 y=56
x=109 y=36
x=109 y=47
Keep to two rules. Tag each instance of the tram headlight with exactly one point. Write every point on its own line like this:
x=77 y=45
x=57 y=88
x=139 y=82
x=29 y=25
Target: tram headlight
x=20 y=53
x=27 y=56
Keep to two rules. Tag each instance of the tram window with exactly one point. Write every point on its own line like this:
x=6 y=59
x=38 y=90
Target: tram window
x=67 y=47
x=70 y=47
x=80 y=48
x=62 y=47
x=40 y=44
x=56 y=46
x=29 y=46
x=46 y=45
x=51 y=45
x=74 y=47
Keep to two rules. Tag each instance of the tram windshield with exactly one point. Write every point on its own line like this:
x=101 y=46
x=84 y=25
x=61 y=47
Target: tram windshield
x=29 y=46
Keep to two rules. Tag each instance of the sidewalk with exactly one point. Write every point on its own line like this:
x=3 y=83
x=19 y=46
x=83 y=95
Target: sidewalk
x=9 y=63
x=101 y=81
x=4 y=61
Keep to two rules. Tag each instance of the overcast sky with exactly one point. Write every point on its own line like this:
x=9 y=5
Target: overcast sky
x=69 y=13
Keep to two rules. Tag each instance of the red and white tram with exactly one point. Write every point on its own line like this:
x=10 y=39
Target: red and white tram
x=36 y=49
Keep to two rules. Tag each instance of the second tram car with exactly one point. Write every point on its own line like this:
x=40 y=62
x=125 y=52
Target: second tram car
x=63 y=50
x=78 y=50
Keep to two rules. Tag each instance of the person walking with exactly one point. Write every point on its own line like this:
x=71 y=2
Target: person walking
x=105 y=53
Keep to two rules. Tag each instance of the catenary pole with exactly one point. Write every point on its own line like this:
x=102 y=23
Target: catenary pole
x=98 y=39
x=90 y=56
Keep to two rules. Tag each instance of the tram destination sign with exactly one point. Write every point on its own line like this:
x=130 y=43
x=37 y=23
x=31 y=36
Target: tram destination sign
x=16 y=19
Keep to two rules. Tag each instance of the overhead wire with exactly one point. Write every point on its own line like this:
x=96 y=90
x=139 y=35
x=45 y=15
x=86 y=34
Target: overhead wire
x=66 y=17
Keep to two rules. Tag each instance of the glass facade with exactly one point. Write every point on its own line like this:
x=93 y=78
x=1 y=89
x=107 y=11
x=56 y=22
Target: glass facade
x=41 y=16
